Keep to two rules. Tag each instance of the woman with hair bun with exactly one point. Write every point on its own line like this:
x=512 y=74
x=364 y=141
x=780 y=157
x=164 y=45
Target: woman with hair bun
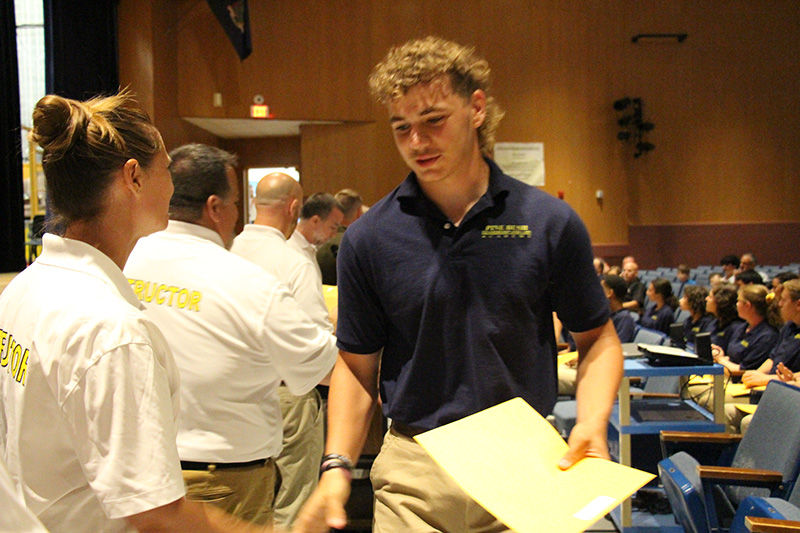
x=88 y=387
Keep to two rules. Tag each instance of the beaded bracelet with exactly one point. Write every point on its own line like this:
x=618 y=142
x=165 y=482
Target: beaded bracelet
x=333 y=460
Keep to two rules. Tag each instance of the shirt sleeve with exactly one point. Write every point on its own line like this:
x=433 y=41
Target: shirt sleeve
x=579 y=300
x=363 y=324
x=303 y=353
x=121 y=418
x=307 y=291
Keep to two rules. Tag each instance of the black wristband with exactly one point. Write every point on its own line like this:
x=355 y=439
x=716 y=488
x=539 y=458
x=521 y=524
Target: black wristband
x=340 y=461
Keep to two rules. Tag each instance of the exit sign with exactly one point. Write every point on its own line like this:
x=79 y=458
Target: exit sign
x=259 y=111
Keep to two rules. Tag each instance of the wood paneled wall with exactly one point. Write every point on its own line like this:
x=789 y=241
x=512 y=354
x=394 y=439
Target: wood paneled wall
x=725 y=102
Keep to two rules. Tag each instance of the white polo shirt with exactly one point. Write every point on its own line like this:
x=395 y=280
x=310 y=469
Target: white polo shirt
x=301 y=245
x=88 y=393
x=235 y=332
x=266 y=246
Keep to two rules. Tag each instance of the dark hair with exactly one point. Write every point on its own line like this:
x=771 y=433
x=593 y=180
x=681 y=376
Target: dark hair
x=617 y=286
x=783 y=277
x=663 y=287
x=725 y=296
x=198 y=171
x=84 y=144
x=730 y=260
x=684 y=268
x=749 y=277
x=320 y=204
x=696 y=297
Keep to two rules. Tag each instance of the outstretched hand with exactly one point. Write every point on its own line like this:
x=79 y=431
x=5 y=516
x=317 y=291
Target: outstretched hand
x=325 y=508
x=586 y=440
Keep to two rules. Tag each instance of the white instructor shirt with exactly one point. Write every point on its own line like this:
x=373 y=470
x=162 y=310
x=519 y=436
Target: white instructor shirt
x=88 y=393
x=235 y=332
x=267 y=247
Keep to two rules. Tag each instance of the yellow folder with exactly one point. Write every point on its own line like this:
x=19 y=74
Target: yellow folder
x=505 y=458
x=331 y=294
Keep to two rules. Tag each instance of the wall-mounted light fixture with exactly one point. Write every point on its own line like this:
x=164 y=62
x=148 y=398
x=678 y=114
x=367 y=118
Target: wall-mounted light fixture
x=632 y=124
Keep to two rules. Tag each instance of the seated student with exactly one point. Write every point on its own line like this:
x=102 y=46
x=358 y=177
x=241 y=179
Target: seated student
x=634 y=299
x=615 y=289
x=774 y=296
x=787 y=348
x=721 y=303
x=748 y=277
x=750 y=346
x=715 y=279
x=699 y=320
x=683 y=276
x=661 y=311
x=784 y=360
x=730 y=266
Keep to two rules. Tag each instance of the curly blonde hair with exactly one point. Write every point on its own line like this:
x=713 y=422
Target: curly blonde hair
x=424 y=60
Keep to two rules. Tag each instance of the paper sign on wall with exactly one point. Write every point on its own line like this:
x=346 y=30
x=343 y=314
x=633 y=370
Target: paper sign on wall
x=524 y=161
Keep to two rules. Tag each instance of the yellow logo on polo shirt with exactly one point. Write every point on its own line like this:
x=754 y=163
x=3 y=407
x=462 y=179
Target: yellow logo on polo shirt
x=514 y=231
x=745 y=344
x=13 y=357
x=168 y=295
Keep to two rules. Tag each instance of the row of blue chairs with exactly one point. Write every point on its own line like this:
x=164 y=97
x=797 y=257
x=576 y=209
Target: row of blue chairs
x=760 y=480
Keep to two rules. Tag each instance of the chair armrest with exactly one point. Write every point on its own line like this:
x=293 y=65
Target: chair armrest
x=710 y=438
x=757 y=524
x=640 y=395
x=748 y=477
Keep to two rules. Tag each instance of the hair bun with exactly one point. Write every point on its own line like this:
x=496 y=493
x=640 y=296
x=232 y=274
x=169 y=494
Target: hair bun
x=58 y=123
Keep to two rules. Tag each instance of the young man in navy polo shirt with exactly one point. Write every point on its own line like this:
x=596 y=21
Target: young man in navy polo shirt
x=446 y=292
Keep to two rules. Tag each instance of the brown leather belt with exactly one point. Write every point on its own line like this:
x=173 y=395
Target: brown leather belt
x=406 y=431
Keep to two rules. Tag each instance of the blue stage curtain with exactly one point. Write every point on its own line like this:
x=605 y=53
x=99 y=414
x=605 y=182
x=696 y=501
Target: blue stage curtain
x=12 y=223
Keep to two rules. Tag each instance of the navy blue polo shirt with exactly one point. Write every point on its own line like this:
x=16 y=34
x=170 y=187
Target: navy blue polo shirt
x=624 y=324
x=787 y=349
x=690 y=328
x=464 y=314
x=657 y=319
x=722 y=336
x=749 y=349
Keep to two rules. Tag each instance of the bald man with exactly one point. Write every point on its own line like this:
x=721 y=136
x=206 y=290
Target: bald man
x=279 y=199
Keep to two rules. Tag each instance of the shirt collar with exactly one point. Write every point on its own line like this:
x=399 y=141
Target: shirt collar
x=409 y=193
x=176 y=227
x=71 y=254
x=263 y=230
x=302 y=241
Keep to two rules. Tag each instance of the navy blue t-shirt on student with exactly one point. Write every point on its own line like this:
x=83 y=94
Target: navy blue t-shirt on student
x=464 y=314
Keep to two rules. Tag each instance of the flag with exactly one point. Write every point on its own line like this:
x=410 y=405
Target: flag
x=235 y=19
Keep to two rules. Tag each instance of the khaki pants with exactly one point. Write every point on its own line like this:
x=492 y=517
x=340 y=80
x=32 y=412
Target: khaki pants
x=412 y=493
x=303 y=445
x=246 y=493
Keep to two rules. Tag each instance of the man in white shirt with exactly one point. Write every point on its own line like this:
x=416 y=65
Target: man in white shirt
x=236 y=333
x=319 y=221
x=278 y=201
x=352 y=207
